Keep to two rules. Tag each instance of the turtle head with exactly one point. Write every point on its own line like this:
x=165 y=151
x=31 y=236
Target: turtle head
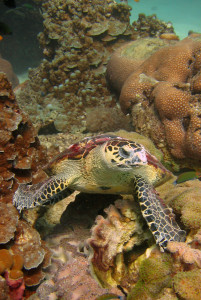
x=125 y=154
x=132 y=157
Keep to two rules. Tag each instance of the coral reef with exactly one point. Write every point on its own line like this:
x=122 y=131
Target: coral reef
x=23 y=259
x=163 y=95
x=6 y=68
x=188 y=285
x=154 y=274
x=185 y=199
x=21 y=153
x=10 y=268
x=146 y=273
x=151 y=26
x=69 y=276
x=185 y=254
x=114 y=236
x=22 y=156
x=77 y=40
x=106 y=119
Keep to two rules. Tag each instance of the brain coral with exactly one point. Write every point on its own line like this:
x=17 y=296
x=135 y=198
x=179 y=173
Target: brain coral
x=163 y=95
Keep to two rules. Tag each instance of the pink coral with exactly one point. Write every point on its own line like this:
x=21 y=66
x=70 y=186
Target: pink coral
x=185 y=253
x=16 y=287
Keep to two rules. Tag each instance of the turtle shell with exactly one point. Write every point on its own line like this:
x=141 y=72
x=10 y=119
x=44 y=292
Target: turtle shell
x=79 y=150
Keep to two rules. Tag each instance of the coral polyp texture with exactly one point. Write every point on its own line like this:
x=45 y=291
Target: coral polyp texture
x=163 y=94
x=77 y=40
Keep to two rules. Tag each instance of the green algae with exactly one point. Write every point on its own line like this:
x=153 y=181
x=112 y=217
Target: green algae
x=188 y=284
x=154 y=275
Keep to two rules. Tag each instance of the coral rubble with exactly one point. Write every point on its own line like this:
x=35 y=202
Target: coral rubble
x=162 y=94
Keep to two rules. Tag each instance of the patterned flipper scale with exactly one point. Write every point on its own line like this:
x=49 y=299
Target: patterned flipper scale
x=158 y=216
x=50 y=191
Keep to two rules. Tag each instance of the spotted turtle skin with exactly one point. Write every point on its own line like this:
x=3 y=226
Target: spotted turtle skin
x=107 y=164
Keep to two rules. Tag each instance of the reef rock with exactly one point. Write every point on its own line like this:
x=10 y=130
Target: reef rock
x=162 y=93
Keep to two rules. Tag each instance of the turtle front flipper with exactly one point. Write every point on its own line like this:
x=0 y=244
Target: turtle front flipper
x=50 y=191
x=159 y=217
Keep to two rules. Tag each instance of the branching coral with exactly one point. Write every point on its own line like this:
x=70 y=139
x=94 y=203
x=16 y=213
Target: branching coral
x=167 y=86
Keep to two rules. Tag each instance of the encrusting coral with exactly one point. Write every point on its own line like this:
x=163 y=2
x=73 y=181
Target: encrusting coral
x=185 y=199
x=163 y=95
x=154 y=274
x=188 y=285
x=21 y=158
x=21 y=152
x=10 y=268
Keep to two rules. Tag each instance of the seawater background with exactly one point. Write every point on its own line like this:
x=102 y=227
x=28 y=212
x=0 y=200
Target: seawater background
x=185 y=15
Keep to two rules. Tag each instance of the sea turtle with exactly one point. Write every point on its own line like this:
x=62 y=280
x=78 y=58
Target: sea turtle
x=107 y=164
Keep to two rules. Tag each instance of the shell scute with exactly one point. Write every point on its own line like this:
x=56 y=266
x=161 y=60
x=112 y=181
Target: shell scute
x=80 y=150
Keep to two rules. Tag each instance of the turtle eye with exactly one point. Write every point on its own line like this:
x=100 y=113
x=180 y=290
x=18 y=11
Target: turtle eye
x=125 y=152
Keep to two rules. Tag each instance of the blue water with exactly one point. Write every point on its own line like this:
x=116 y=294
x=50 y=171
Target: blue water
x=185 y=15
